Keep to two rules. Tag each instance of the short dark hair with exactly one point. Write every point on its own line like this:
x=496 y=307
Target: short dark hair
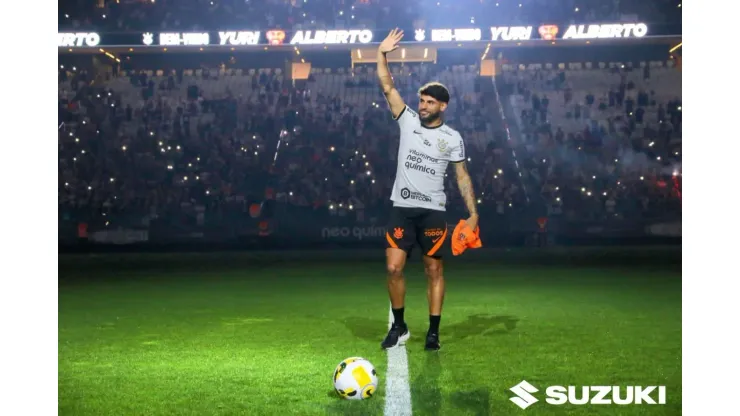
x=435 y=90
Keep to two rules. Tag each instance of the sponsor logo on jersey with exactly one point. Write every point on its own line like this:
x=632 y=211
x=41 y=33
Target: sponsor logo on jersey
x=416 y=196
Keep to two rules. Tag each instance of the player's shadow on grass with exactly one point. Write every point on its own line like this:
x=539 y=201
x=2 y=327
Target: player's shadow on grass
x=425 y=391
x=366 y=328
x=481 y=325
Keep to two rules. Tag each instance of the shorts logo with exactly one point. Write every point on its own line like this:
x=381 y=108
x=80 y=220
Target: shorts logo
x=435 y=232
x=398 y=233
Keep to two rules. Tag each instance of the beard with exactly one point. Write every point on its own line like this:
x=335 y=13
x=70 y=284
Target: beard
x=430 y=118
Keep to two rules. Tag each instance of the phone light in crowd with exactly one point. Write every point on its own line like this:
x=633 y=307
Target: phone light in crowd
x=368 y=173
x=162 y=150
x=357 y=152
x=351 y=206
x=352 y=182
x=77 y=139
x=657 y=158
x=494 y=176
x=161 y=143
x=468 y=159
x=616 y=160
x=604 y=194
x=367 y=163
x=557 y=188
x=642 y=178
x=66 y=183
x=510 y=204
x=197 y=178
x=185 y=178
x=583 y=189
x=372 y=181
x=254 y=137
x=198 y=158
x=178 y=147
x=363 y=156
x=169 y=167
x=83 y=151
x=98 y=95
x=331 y=207
x=500 y=171
x=576 y=9
x=66 y=16
x=255 y=153
x=544 y=160
x=588 y=193
x=169 y=147
x=112 y=179
x=651 y=144
x=557 y=199
x=619 y=182
x=479 y=201
x=74 y=159
x=675 y=173
x=594 y=177
x=208 y=192
x=89 y=188
x=326 y=179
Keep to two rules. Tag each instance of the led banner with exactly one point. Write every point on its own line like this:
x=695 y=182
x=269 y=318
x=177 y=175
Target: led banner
x=246 y=38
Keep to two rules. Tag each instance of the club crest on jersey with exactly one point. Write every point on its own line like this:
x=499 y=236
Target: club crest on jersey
x=442 y=145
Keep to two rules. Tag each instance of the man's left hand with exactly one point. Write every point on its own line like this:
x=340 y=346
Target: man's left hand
x=472 y=221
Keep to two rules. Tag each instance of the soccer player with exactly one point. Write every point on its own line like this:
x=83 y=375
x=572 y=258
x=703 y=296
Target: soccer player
x=426 y=147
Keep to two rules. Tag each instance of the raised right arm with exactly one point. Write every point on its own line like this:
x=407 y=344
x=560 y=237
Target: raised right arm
x=392 y=96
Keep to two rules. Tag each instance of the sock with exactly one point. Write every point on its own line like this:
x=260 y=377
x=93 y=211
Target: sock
x=434 y=323
x=398 y=317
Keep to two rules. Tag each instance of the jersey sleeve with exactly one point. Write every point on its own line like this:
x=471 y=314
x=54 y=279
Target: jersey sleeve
x=408 y=118
x=457 y=154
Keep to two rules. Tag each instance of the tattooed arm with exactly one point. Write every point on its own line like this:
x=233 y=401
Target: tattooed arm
x=465 y=185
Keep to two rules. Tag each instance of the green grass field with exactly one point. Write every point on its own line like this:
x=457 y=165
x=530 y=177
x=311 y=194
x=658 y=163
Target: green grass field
x=224 y=335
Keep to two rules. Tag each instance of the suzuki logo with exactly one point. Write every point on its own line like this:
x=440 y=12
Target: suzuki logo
x=524 y=399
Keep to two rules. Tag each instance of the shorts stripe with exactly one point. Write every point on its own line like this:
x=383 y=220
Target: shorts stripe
x=439 y=244
x=390 y=241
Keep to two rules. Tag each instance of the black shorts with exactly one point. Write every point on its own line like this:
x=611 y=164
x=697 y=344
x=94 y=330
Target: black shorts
x=409 y=226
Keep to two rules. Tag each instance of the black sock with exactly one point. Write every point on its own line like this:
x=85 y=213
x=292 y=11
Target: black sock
x=398 y=317
x=434 y=323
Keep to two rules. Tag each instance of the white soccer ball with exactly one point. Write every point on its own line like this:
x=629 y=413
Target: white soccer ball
x=355 y=379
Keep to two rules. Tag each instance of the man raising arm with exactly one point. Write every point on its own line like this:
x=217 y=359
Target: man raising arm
x=390 y=92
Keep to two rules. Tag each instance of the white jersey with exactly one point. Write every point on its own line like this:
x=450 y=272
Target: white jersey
x=423 y=156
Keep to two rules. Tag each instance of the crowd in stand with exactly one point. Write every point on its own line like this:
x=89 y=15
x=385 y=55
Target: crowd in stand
x=176 y=147
x=606 y=152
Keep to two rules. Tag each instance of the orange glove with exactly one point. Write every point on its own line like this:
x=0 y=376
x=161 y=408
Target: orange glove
x=464 y=238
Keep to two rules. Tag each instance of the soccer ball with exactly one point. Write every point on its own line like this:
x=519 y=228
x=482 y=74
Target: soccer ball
x=355 y=379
